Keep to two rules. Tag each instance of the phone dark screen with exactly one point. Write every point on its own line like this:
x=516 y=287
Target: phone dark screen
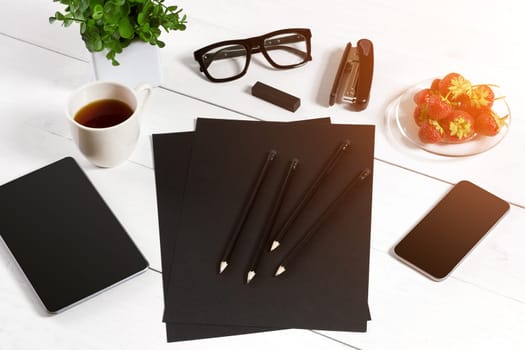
x=451 y=229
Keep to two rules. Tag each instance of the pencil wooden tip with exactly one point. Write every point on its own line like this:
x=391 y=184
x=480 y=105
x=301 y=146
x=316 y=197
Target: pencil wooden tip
x=280 y=270
x=250 y=276
x=223 y=266
x=275 y=244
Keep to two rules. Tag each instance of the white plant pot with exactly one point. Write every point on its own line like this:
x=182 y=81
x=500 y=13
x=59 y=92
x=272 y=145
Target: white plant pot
x=139 y=64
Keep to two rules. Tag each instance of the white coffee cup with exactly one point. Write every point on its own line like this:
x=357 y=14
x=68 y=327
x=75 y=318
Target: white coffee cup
x=109 y=146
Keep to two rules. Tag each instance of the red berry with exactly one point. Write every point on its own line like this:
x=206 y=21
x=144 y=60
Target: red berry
x=488 y=123
x=459 y=126
x=420 y=114
x=435 y=85
x=463 y=103
x=421 y=96
x=430 y=131
x=437 y=108
x=482 y=97
x=454 y=85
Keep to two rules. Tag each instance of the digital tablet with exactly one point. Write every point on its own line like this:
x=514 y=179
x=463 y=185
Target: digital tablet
x=64 y=237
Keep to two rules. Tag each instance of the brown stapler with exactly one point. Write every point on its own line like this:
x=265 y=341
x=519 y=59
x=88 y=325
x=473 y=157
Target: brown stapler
x=354 y=76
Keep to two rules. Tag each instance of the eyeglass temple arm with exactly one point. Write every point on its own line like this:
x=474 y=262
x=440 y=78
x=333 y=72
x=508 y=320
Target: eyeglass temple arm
x=239 y=50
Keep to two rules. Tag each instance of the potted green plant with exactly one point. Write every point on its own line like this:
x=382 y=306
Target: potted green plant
x=111 y=27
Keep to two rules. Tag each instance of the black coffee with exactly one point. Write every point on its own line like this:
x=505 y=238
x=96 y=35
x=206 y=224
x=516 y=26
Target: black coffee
x=103 y=113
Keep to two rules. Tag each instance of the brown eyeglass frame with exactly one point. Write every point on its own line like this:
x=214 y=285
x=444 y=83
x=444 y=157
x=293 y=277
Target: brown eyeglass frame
x=257 y=44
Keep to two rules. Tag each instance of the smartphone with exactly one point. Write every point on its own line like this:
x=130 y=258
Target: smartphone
x=438 y=243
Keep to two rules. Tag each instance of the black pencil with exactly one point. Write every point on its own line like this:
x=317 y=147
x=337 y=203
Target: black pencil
x=314 y=186
x=245 y=211
x=319 y=221
x=263 y=239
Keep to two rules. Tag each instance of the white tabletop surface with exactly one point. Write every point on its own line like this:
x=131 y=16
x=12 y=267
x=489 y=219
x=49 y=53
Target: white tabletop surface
x=480 y=306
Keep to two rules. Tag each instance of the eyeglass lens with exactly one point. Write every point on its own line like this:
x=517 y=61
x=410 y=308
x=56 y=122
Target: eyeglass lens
x=288 y=49
x=226 y=61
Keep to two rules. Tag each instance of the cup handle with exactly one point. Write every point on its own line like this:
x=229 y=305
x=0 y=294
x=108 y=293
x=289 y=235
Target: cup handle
x=145 y=91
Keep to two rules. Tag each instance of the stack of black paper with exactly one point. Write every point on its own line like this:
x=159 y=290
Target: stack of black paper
x=203 y=180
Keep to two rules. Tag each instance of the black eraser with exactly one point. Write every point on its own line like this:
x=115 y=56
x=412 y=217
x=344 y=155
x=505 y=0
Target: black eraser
x=275 y=96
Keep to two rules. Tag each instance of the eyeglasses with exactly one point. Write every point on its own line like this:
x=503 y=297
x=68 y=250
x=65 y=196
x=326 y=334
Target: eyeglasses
x=229 y=60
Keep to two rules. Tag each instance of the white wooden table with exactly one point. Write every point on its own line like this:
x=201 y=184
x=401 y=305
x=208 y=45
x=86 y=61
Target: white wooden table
x=480 y=306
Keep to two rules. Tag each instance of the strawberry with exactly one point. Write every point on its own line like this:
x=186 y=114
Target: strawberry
x=463 y=103
x=435 y=85
x=482 y=97
x=458 y=127
x=453 y=85
x=488 y=123
x=420 y=114
x=438 y=108
x=430 y=131
x=422 y=96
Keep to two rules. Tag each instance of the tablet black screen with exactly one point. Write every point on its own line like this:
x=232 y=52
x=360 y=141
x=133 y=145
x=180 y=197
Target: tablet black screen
x=64 y=237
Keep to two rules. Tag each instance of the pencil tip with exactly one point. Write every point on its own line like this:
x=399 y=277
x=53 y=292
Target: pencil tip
x=223 y=266
x=275 y=244
x=280 y=270
x=251 y=275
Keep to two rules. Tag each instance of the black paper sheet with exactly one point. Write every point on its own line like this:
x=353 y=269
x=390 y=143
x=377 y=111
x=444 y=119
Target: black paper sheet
x=170 y=173
x=170 y=178
x=201 y=184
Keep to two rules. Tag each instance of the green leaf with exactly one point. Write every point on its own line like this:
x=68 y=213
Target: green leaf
x=141 y=18
x=73 y=7
x=145 y=36
x=147 y=6
x=111 y=56
x=157 y=10
x=83 y=6
x=125 y=10
x=110 y=28
x=98 y=45
x=155 y=32
x=98 y=11
x=125 y=28
x=111 y=13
